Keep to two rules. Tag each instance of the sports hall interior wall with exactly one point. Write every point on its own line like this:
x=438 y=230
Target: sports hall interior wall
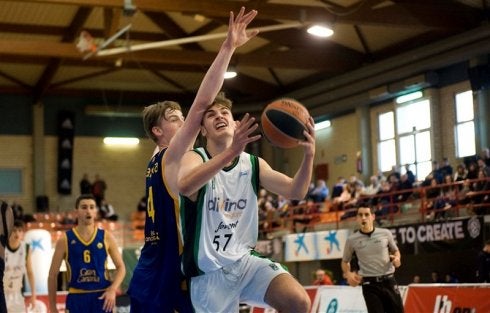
x=337 y=146
x=123 y=169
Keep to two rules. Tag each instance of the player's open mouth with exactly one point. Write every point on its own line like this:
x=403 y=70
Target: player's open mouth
x=220 y=125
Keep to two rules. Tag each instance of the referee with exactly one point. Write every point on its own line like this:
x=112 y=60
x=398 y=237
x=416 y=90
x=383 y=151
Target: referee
x=378 y=256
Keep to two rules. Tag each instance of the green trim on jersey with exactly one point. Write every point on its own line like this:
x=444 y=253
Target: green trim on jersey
x=255 y=173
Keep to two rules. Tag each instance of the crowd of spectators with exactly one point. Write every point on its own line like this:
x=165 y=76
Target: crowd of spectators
x=445 y=187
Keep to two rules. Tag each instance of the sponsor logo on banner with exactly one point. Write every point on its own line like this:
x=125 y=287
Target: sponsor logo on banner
x=467 y=298
x=321 y=245
x=461 y=233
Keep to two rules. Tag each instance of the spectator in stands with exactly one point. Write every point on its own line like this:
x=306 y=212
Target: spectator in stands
x=450 y=278
x=446 y=168
x=338 y=188
x=432 y=194
x=461 y=173
x=85 y=185
x=320 y=192
x=344 y=198
x=373 y=188
x=416 y=279
x=142 y=205
x=404 y=184
x=485 y=156
x=283 y=205
x=483 y=167
x=436 y=173
x=483 y=271
x=322 y=278
x=98 y=189
x=381 y=177
x=18 y=211
x=435 y=278
x=410 y=175
x=447 y=199
x=384 y=203
x=479 y=194
x=472 y=171
x=394 y=175
x=107 y=211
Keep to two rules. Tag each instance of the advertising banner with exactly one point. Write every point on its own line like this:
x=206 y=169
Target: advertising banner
x=321 y=245
x=438 y=298
x=455 y=234
x=39 y=241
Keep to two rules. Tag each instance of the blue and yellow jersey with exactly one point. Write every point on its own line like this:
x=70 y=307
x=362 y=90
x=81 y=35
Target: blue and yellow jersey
x=156 y=276
x=86 y=262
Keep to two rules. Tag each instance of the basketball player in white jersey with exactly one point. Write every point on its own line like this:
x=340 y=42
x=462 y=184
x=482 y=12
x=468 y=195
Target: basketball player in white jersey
x=18 y=264
x=219 y=184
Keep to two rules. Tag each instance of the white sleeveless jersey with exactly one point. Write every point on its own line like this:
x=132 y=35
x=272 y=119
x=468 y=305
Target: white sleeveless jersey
x=15 y=268
x=226 y=217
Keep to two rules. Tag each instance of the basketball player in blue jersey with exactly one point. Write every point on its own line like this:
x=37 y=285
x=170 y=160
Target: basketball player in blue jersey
x=156 y=282
x=220 y=217
x=85 y=249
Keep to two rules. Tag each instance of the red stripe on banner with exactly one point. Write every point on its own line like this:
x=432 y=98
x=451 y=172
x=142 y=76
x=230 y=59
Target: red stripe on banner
x=442 y=299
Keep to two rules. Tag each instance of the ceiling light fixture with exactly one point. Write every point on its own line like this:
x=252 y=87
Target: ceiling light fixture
x=409 y=97
x=121 y=141
x=230 y=73
x=322 y=124
x=320 y=31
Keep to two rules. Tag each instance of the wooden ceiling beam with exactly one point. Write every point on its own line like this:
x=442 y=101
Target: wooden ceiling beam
x=405 y=13
x=172 y=29
x=54 y=64
x=13 y=79
x=300 y=59
x=58 y=31
x=212 y=8
x=408 y=13
x=112 y=19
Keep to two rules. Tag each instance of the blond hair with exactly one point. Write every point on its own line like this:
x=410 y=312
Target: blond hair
x=153 y=114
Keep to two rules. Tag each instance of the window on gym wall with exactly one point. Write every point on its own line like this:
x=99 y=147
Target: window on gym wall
x=465 y=125
x=386 y=144
x=412 y=137
x=413 y=121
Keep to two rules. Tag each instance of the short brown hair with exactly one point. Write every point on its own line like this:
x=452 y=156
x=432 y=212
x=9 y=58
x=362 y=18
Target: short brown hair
x=87 y=196
x=153 y=114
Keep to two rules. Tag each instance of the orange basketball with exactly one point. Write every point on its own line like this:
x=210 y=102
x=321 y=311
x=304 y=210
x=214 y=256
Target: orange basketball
x=283 y=122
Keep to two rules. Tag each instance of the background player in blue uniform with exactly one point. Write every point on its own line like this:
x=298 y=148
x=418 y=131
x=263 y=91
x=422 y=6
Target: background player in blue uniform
x=156 y=282
x=85 y=249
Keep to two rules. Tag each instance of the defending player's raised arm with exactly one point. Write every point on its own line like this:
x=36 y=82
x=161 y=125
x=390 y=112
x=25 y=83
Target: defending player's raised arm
x=212 y=82
x=59 y=254
x=296 y=187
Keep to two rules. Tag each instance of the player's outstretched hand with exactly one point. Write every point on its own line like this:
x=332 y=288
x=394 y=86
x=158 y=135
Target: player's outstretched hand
x=237 y=28
x=244 y=133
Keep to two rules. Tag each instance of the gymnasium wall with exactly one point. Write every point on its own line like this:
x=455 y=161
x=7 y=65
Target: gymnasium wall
x=123 y=169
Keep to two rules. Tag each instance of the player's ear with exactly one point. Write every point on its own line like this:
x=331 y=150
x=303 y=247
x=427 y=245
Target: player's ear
x=203 y=131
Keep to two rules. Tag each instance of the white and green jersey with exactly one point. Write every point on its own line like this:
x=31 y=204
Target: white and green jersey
x=15 y=268
x=222 y=224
